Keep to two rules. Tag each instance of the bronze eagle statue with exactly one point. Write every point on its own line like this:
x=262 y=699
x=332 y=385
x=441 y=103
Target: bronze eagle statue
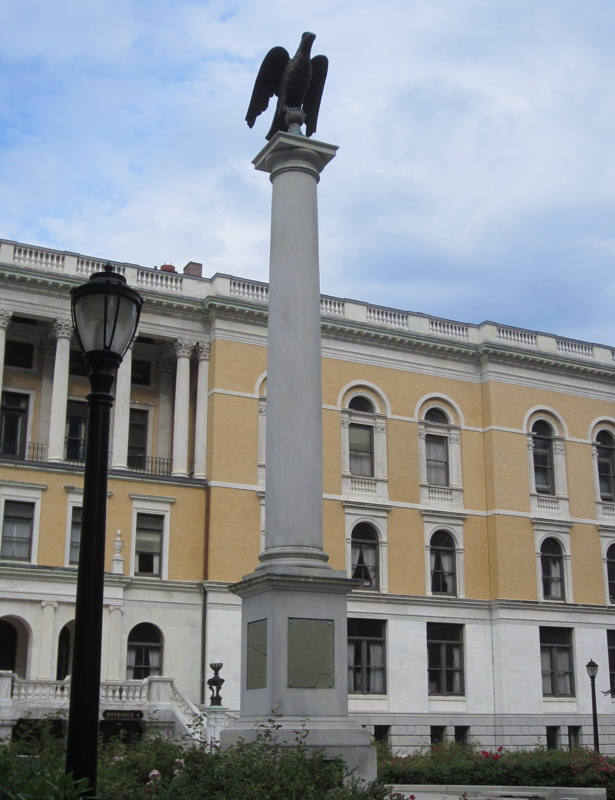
x=298 y=83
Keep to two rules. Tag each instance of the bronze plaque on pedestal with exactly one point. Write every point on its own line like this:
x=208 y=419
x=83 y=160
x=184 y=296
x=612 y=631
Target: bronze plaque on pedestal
x=310 y=653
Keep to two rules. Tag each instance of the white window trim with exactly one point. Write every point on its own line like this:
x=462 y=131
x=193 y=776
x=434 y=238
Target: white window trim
x=607 y=538
x=24 y=493
x=75 y=498
x=451 y=523
x=556 y=503
x=439 y=496
x=161 y=506
x=377 y=517
x=560 y=531
x=262 y=440
x=356 y=484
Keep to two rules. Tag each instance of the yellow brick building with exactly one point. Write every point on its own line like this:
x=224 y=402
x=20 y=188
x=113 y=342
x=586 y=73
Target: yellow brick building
x=469 y=489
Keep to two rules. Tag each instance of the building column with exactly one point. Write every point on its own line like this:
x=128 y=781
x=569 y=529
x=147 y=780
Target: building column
x=62 y=330
x=46 y=651
x=114 y=651
x=165 y=408
x=183 y=349
x=121 y=418
x=48 y=350
x=5 y=318
x=200 y=427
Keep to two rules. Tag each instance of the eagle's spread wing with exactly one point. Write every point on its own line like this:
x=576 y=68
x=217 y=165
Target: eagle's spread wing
x=313 y=96
x=267 y=82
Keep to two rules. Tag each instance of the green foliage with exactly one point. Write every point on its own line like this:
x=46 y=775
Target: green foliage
x=450 y=763
x=160 y=768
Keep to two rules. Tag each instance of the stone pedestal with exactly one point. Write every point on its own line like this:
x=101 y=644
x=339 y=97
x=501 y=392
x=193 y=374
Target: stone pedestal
x=294 y=617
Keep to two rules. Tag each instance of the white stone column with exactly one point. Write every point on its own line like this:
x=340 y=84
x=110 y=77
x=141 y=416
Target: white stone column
x=48 y=350
x=165 y=407
x=294 y=609
x=200 y=426
x=45 y=667
x=5 y=318
x=183 y=349
x=121 y=418
x=114 y=652
x=62 y=329
x=294 y=390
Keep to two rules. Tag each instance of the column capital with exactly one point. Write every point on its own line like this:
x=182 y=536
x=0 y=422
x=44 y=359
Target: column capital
x=5 y=317
x=287 y=151
x=203 y=350
x=62 y=328
x=184 y=348
x=49 y=604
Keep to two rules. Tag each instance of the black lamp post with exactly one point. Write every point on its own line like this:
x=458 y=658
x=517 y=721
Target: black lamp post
x=105 y=314
x=592 y=671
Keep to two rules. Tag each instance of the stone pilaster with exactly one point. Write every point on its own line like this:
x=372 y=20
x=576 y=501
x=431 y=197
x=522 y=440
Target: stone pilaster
x=45 y=666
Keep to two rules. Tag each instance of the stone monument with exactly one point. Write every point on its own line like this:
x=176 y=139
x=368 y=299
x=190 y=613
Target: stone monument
x=294 y=615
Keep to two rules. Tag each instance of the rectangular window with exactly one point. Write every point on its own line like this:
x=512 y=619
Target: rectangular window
x=574 y=736
x=437 y=734
x=19 y=354
x=462 y=735
x=148 y=545
x=436 y=452
x=137 y=439
x=76 y=427
x=445 y=658
x=76 y=364
x=141 y=373
x=75 y=535
x=366 y=658
x=610 y=637
x=556 y=662
x=17 y=527
x=553 y=737
x=361 y=439
x=13 y=424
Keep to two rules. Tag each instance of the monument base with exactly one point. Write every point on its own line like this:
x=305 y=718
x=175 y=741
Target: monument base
x=337 y=737
x=295 y=663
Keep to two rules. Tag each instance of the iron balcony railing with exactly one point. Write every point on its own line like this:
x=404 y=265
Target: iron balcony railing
x=23 y=451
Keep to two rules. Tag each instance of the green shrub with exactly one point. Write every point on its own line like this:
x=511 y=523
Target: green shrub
x=160 y=768
x=451 y=763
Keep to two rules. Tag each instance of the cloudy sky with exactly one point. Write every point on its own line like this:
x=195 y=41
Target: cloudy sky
x=476 y=173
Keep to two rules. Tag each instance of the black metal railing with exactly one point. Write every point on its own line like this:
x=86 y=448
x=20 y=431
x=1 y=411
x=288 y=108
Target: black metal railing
x=23 y=451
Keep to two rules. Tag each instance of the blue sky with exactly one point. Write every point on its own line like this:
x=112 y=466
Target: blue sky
x=476 y=173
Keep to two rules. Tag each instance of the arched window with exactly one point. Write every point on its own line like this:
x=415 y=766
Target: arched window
x=605 y=450
x=8 y=645
x=144 y=656
x=542 y=438
x=610 y=571
x=65 y=651
x=442 y=563
x=436 y=450
x=361 y=439
x=364 y=552
x=552 y=563
x=363 y=404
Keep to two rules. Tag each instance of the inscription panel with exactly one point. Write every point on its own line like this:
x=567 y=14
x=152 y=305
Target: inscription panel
x=310 y=653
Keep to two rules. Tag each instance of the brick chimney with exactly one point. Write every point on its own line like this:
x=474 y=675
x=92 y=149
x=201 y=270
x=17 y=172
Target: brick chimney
x=194 y=269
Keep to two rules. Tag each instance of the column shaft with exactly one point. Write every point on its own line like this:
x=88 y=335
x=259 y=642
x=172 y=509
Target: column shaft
x=182 y=408
x=200 y=426
x=57 y=429
x=5 y=318
x=121 y=419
